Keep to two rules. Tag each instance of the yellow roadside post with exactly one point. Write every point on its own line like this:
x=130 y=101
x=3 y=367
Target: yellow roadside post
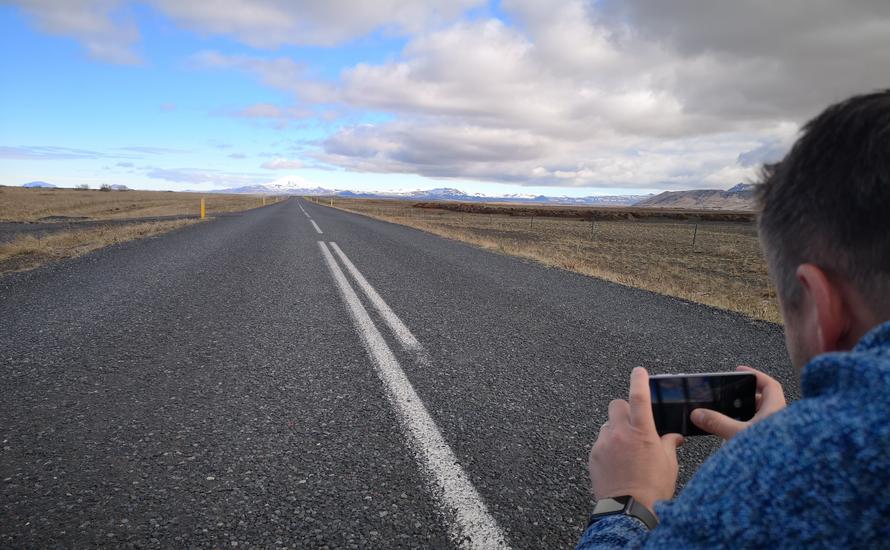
x=203 y=210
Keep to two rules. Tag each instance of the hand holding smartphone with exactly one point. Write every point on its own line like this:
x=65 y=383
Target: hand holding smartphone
x=675 y=396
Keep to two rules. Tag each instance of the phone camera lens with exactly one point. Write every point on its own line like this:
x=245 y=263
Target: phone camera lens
x=737 y=403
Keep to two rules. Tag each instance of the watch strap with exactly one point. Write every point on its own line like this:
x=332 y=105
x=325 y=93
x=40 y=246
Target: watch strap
x=624 y=505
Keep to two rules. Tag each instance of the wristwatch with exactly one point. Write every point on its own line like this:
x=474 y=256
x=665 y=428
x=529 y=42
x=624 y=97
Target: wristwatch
x=626 y=506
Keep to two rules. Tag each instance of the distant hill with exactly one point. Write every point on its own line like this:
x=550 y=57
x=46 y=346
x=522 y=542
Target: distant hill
x=39 y=184
x=438 y=194
x=740 y=197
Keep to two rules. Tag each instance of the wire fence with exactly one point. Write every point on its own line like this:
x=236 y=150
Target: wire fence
x=712 y=262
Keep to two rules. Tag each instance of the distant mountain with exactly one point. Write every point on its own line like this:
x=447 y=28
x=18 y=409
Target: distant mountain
x=738 y=197
x=39 y=184
x=438 y=194
x=119 y=187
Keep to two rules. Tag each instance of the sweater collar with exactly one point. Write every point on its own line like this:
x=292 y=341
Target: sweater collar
x=878 y=337
x=864 y=369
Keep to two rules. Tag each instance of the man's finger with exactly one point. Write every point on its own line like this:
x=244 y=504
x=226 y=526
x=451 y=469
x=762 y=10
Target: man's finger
x=603 y=429
x=716 y=423
x=772 y=394
x=671 y=442
x=763 y=379
x=619 y=412
x=641 y=400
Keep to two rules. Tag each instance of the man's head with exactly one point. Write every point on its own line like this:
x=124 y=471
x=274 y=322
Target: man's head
x=825 y=227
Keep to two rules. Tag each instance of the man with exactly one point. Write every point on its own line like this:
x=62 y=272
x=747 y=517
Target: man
x=817 y=472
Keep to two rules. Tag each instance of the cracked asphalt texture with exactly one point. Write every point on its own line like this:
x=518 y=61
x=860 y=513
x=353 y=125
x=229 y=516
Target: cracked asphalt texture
x=207 y=388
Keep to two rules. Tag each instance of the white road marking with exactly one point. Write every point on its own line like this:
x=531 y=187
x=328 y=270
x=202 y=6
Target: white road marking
x=402 y=333
x=315 y=225
x=470 y=523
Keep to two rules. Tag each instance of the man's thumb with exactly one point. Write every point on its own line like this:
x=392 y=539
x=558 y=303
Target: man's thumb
x=716 y=423
x=672 y=441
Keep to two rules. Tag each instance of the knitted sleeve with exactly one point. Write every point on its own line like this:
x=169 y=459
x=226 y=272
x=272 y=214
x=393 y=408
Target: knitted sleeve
x=613 y=532
x=800 y=478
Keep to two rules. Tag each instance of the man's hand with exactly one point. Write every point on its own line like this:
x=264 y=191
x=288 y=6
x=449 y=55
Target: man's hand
x=628 y=457
x=770 y=399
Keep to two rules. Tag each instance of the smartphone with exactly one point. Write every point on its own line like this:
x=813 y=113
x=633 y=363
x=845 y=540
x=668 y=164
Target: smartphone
x=675 y=396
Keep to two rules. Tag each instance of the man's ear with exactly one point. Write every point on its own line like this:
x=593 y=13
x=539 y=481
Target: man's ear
x=826 y=299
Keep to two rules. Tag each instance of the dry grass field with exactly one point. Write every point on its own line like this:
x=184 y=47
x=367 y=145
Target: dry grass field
x=724 y=268
x=21 y=204
x=27 y=252
x=56 y=205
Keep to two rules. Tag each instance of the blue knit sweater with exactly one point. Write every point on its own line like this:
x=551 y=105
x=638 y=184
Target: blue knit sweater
x=816 y=474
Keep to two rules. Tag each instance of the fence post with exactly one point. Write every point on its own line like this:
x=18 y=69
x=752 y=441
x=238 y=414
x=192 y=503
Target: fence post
x=531 y=223
x=203 y=210
x=592 y=226
x=694 y=235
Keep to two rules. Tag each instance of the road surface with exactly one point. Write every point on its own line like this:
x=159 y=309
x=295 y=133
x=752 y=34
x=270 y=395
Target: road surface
x=299 y=376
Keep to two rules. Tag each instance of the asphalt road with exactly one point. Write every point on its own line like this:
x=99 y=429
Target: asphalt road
x=234 y=383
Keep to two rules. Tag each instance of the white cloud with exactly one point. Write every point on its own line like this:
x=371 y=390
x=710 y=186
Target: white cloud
x=520 y=156
x=199 y=176
x=272 y=23
x=96 y=24
x=620 y=93
x=282 y=164
x=149 y=150
x=47 y=152
x=761 y=57
x=280 y=117
x=258 y=23
x=613 y=92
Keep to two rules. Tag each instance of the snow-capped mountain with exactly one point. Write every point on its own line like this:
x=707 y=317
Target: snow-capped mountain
x=289 y=187
x=39 y=184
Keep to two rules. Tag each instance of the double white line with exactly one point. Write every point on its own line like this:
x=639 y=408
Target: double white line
x=469 y=522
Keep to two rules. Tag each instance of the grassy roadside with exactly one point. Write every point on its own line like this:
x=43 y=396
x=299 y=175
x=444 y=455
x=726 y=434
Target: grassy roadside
x=724 y=268
x=29 y=205
x=131 y=210
x=27 y=251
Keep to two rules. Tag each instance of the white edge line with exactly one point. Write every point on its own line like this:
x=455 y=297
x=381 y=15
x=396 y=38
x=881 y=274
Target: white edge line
x=402 y=333
x=473 y=526
x=315 y=225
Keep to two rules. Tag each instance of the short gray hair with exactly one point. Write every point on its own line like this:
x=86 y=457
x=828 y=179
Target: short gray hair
x=828 y=201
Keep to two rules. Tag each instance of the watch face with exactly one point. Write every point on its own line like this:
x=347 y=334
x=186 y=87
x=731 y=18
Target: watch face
x=609 y=505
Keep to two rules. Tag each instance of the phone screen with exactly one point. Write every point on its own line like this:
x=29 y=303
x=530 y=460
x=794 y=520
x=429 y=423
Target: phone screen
x=675 y=396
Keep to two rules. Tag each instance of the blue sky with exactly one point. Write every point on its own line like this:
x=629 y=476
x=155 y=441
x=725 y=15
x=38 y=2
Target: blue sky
x=554 y=98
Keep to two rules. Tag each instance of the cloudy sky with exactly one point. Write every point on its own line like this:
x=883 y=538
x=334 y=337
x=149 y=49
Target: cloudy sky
x=512 y=96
